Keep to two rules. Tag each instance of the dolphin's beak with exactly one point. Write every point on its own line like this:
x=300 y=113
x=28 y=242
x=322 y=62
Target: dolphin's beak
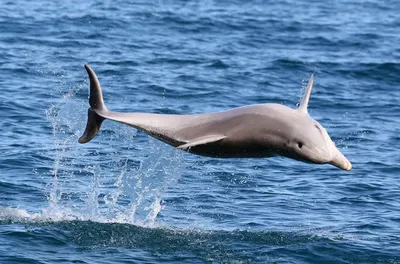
x=341 y=161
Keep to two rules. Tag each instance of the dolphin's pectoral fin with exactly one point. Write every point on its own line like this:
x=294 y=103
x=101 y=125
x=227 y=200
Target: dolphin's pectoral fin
x=202 y=141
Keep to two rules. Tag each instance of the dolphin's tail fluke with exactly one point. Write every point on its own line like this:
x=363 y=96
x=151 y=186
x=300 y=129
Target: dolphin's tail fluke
x=97 y=107
x=92 y=127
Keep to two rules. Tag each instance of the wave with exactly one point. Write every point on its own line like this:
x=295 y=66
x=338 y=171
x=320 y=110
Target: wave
x=242 y=246
x=205 y=244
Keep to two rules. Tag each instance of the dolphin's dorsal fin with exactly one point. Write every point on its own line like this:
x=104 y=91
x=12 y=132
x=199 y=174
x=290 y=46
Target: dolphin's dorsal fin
x=202 y=141
x=306 y=97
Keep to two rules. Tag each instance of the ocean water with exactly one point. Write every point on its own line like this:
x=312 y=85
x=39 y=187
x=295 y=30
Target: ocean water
x=127 y=198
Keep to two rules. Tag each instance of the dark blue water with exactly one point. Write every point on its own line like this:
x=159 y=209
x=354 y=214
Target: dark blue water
x=127 y=198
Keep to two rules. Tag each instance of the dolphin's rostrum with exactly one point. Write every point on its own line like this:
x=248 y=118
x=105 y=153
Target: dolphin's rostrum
x=261 y=130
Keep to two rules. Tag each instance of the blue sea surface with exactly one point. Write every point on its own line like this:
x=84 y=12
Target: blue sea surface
x=127 y=198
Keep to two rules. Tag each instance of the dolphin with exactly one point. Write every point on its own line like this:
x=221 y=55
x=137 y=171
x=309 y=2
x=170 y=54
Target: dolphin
x=252 y=131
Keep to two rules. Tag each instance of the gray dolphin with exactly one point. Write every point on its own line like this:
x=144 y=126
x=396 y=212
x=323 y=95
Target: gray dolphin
x=261 y=130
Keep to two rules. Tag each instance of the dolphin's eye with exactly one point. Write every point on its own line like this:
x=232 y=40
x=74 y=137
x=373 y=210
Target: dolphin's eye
x=300 y=144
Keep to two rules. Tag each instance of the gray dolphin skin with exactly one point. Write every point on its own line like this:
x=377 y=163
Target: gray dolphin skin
x=253 y=131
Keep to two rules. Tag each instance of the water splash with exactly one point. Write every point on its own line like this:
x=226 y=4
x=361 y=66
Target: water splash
x=60 y=146
x=120 y=178
x=146 y=186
